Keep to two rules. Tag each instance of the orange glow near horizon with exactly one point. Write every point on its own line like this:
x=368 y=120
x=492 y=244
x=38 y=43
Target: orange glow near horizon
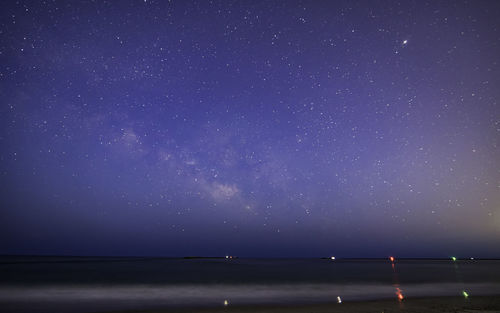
x=391 y=258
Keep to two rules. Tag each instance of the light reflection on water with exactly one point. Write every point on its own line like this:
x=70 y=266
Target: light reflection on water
x=82 y=299
x=34 y=286
x=241 y=293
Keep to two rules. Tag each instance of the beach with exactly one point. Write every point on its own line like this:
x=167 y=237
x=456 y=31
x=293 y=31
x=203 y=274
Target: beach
x=487 y=304
x=479 y=304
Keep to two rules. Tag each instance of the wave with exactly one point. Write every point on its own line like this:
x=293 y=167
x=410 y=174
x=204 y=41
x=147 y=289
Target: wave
x=209 y=294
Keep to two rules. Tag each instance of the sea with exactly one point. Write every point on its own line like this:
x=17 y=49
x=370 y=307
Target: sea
x=96 y=284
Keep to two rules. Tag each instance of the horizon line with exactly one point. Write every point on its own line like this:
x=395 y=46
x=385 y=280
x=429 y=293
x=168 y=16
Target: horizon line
x=252 y=257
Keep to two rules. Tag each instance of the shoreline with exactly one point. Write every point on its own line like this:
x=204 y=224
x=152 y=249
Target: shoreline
x=478 y=304
x=440 y=304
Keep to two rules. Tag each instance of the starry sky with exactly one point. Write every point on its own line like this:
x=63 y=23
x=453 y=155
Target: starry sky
x=250 y=128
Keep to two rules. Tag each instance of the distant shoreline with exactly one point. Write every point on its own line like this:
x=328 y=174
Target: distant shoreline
x=248 y=258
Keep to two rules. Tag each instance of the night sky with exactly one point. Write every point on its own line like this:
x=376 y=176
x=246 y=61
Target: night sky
x=250 y=128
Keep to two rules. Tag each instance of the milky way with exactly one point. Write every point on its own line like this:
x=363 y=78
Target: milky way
x=272 y=128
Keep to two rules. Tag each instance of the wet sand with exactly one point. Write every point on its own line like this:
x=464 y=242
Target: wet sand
x=487 y=304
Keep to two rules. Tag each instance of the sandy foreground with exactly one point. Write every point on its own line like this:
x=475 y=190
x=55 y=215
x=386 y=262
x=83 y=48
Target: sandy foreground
x=487 y=304
x=476 y=304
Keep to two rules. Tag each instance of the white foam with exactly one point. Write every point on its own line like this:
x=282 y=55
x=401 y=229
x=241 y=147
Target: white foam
x=254 y=293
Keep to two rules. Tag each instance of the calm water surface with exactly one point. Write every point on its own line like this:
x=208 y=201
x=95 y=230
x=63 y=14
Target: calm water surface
x=54 y=284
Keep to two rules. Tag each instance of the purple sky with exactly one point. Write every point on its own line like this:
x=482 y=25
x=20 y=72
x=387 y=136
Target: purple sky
x=252 y=128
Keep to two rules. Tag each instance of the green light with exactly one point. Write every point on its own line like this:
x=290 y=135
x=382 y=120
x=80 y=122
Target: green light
x=465 y=294
x=453 y=258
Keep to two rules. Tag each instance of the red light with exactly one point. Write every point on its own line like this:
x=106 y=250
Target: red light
x=391 y=258
x=399 y=293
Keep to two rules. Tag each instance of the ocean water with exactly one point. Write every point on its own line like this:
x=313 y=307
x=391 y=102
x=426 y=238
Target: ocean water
x=59 y=284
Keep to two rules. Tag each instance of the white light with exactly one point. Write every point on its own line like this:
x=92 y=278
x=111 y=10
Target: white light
x=405 y=42
x=226 y=303
x=333 y=258
x=339 y=300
